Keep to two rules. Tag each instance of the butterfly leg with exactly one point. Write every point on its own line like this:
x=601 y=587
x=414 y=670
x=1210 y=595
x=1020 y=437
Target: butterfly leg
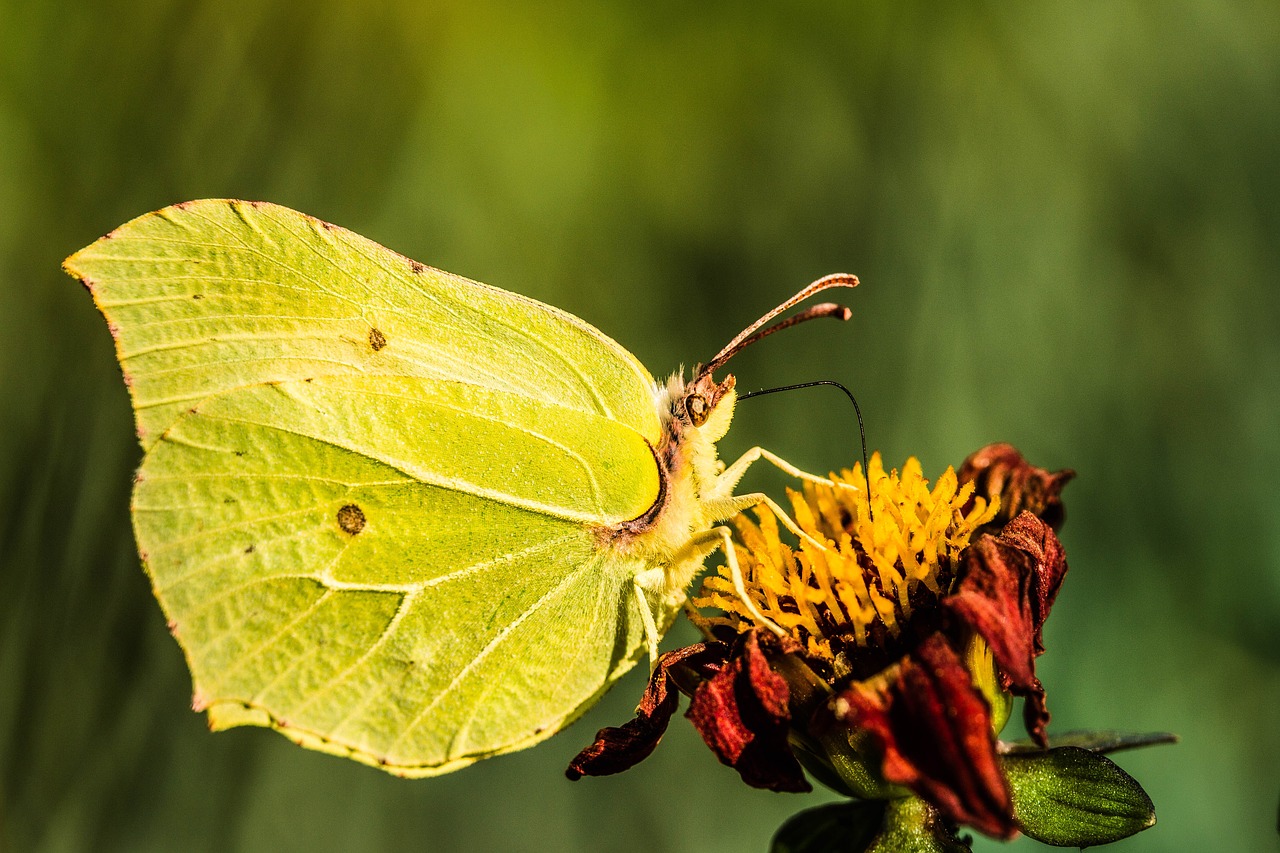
x=720 y=538
x=739 y=585
x=728 y=506
x=651 y=635
x=729 y=478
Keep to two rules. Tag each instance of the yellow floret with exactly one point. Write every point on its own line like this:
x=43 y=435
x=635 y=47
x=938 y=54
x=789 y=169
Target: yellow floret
x=871 y=564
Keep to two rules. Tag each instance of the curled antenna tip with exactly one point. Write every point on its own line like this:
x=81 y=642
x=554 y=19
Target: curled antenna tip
x=755 y=332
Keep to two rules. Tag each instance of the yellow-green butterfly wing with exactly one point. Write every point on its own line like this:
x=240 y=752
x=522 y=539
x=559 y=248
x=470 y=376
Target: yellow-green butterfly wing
x=372 y=491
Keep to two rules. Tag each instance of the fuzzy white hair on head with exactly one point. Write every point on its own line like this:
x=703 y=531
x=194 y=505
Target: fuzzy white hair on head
x=664 y=396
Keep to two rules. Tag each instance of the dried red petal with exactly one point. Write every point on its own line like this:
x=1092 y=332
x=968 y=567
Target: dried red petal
x=1048 y=562
x=999 y=470
x=742 y=713
x=623 y=747
x=1006 y=586
x=934 y=728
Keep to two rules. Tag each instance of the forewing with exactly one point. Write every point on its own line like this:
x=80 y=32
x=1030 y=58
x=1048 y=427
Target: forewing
x=207 y=296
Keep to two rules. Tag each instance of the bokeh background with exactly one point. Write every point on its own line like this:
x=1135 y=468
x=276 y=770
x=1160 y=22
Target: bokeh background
x=1067 y=222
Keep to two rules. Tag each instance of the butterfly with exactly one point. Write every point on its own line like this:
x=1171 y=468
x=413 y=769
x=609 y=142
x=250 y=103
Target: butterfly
x=391 y=513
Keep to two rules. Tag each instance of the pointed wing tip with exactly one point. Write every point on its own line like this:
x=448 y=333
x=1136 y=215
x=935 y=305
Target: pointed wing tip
x=72 y=264
x=69 y=266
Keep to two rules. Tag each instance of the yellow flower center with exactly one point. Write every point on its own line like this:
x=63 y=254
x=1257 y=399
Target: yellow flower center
x=871 y=564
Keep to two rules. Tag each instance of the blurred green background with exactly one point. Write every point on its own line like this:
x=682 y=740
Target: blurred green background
x=1067 y=222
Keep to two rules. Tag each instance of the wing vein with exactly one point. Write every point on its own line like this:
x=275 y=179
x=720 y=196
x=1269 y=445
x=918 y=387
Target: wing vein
x=487 y=649
x=450 y=483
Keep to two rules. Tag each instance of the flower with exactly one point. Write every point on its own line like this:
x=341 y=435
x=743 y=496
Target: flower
x=850 y=603
x=882 y=652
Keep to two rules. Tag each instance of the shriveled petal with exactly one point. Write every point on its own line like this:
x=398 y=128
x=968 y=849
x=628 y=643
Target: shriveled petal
x=1000 y=471
x=742 y=713
x=934 y=728
x=1048 y=562
x=1006 y=587
x=623 y=747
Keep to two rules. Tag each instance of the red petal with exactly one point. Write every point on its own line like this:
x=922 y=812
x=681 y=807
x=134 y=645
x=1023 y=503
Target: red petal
x=999 y=470
x=934 y=727
x=1048 y=565
x=1006 y=587
x=742 y=714
x=621 y=748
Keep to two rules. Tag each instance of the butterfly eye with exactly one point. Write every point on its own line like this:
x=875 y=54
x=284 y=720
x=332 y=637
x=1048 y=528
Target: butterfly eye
x=696 y=406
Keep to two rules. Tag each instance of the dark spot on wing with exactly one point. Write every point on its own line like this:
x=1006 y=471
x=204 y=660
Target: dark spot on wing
x=377 y=340
x=238 y=452
x=196 y=296
x=182 y=205
x=416 y=266
x=249 y=550
x=328 y=226
x=351 y=519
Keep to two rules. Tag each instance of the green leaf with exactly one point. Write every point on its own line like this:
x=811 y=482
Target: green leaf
x=1094 y=741
x=1072 y=797
x=849 y=825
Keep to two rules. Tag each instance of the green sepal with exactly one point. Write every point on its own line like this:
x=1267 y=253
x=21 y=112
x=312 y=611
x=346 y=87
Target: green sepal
x=982 y=667
x=846 y=760
x=855 y=758
x=845 y=826
x=1072 y=797
x=1100 y=741
x=818 y=765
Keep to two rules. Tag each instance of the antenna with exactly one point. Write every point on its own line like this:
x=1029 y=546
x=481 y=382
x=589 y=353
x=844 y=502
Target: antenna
x=862 y=433
x=749 y=336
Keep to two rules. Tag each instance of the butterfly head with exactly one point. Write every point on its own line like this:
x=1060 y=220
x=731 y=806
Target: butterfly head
x=706 y=405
